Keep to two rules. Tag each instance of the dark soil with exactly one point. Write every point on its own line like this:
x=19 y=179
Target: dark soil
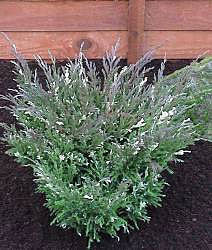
x=181 y=223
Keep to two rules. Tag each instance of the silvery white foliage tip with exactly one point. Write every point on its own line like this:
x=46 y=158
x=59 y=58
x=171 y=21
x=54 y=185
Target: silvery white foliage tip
x=182 y=152
x=156 y=167
x=62 y=157
x=141 y=123
x=59 y=123
x=101 y=149
x=89 y=197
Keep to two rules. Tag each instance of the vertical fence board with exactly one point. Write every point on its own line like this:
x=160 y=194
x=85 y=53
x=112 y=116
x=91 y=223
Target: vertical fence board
x=135 y=29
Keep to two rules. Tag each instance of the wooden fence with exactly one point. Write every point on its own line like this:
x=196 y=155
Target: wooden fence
x=182 y=28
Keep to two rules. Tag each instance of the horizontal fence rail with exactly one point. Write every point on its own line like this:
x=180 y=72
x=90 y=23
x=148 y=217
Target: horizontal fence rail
x=180 y=29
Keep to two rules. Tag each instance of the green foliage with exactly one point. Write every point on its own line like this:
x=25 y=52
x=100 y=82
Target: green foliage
x=98 y=149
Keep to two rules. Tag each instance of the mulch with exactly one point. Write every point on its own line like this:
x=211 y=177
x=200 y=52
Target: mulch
x=182 y=223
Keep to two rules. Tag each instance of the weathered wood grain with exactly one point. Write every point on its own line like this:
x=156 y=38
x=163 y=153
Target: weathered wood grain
x=183 y=27
x=61 y=0
x=176 y=45
x=135 y=29
x=63 y=44
x=179 y=44
x=178 y=15
x=63 y=16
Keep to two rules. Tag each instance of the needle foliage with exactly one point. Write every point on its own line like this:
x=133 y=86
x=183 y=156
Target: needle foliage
x=98 y=147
